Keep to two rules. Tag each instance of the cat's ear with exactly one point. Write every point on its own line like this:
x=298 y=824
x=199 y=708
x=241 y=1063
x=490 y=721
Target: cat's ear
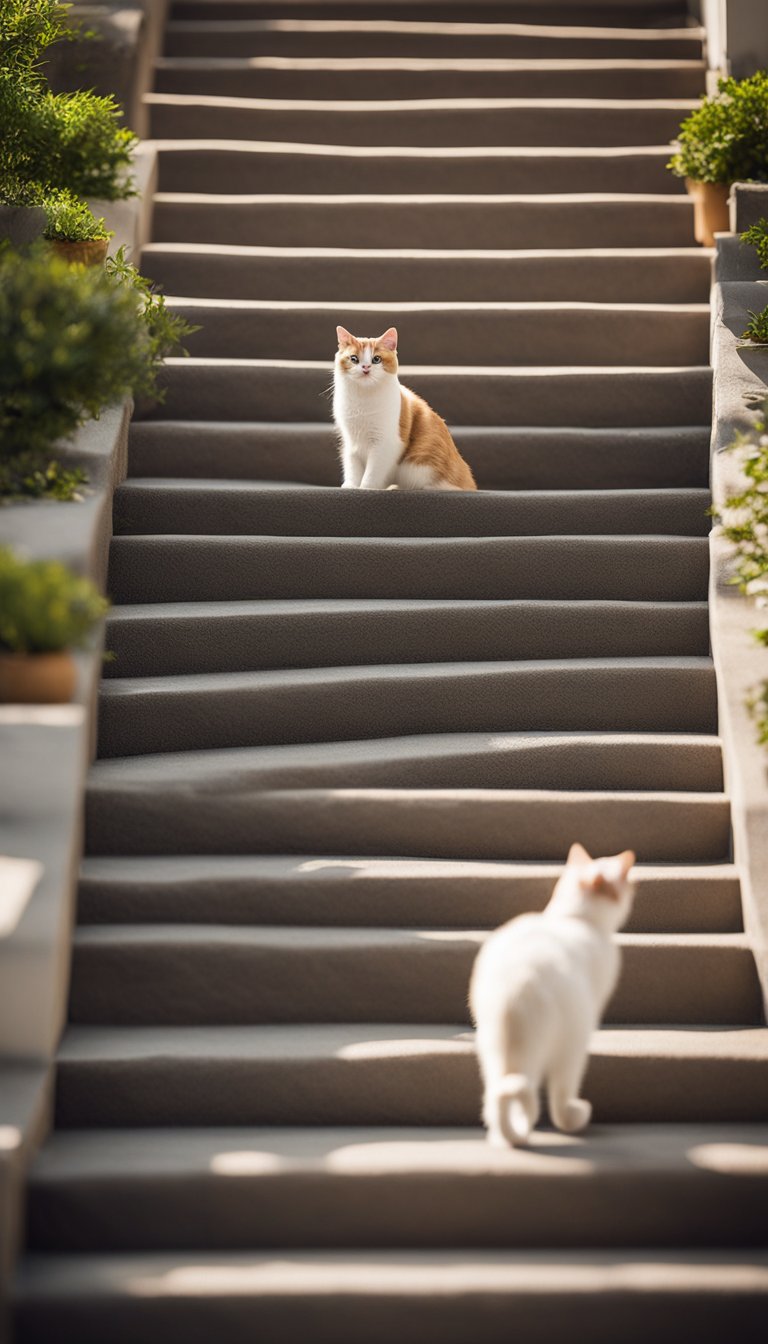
x=389 y=339
x=626 y=860
x=578 y=854
x=344 y=337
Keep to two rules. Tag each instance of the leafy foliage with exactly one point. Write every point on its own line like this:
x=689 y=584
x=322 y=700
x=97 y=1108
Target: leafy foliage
x=67 y=217
x=27 y=29
x=73 y=342
x=71 y=140
x=757 y=235
x=726 y=138
x=166 y=331
x=44 y=606
x=30 y=476
x=744 y=522
x=756 y=330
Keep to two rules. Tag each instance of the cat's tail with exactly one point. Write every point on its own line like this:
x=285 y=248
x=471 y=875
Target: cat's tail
x=518 y=1107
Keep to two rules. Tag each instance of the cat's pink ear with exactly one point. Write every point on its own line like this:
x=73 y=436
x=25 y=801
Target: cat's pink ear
x=389 y=339
x=578 y=854
x=344 y=337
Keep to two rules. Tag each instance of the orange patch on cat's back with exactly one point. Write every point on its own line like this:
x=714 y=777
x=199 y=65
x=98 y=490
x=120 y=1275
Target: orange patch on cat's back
x=428 y=443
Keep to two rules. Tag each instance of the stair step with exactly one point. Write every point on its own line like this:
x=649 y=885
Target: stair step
x=157 y=974
x=341 y=1298
x=162 y=815
x=312 y=274
x=376 y=892
x=172 y=638
x=179 y=569
x=139 y=715
x=555 y=220
x=297 y=390
x=389 y=1074
x=232 y=507
x=459 y=122
x=391 y=77
x=603 y=761
x=421 y=35
x=227 y=165
x=507 y=459
x=471 y=334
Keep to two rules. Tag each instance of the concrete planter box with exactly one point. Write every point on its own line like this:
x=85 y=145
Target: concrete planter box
x=742 y=664
x=46 y=751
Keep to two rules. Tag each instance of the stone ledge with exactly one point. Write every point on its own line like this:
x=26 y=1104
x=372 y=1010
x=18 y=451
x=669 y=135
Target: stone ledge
x=46 y=751
x=741 y=663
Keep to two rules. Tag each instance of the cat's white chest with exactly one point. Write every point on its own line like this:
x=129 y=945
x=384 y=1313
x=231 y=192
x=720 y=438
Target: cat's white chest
x=368 y=421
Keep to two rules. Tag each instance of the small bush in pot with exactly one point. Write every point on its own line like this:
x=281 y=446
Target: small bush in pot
x=46 y=611
x=70 y=224
x=757 y=236
x=724 y=140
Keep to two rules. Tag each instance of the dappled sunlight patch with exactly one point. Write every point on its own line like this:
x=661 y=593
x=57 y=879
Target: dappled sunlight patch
x=731 y=1159
x=18 y=880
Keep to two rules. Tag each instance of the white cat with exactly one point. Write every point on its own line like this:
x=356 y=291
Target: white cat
x=538 y=990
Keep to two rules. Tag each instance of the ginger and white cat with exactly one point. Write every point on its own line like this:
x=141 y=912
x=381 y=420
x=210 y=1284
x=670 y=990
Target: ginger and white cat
x=389 y=436
x=539 y=987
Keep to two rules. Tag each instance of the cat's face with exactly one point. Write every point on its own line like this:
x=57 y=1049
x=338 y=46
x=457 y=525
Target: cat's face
x=366 y=361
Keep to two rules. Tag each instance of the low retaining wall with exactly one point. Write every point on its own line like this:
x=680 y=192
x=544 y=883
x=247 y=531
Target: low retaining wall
x=741 y=663
x=46 y=751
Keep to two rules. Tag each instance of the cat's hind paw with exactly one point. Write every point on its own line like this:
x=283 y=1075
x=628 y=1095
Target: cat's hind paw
x=577 y=1114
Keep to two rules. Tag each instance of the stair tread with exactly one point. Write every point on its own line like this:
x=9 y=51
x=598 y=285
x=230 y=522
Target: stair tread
x=91 y=1045
x=348 y=1272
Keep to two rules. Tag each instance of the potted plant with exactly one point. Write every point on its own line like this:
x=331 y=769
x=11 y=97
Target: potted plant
x=68 y=223
x=725 y=140
x=46 y=611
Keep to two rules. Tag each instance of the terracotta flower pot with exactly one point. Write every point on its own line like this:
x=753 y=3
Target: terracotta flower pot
x=91 y=253
x=37 y=678
x=710 y=209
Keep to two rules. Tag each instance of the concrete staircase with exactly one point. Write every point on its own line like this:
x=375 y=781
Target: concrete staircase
x=346 y=734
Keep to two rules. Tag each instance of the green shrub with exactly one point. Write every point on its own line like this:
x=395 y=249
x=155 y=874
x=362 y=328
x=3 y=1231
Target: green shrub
x=71 y=140
x=726 y=138
x=756 y=330
x=166 y=331
x=757 y=236
x=44 y=606
x=27 y=29
x=73 y=342
x=31 y=476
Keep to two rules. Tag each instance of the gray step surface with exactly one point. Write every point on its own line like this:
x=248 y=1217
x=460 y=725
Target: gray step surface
x=299 y=390
x=160 y=974
x=140 y=715
x=227 y=165
x=390 y=35
x=391 y=77
x=343 y=1297
x=586 y=275
x=162 y=815
x=171 y=638
x=503 y=122
x=380 y=892
x=470 y=1195
x=663 y=762
x=470 y=334
x=118 y=1077
x=520 y=458
x=570 y=218
x=209 y=507
x=180 y=569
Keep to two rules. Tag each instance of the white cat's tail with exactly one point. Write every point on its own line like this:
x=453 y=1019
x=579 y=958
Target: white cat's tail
x=517 y=1107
